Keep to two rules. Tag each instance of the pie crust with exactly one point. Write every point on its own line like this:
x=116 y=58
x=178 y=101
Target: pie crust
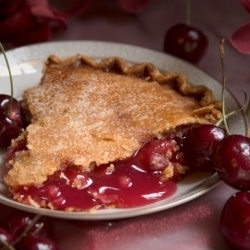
x=88 y=112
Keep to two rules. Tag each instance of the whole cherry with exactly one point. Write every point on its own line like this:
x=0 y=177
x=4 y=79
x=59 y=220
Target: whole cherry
x=11 y=119
x=232 y=161
x=11 y=115
x=186 y=41
x=5 y=238
x=200 y=145
x=32 y=242
x=235 y=220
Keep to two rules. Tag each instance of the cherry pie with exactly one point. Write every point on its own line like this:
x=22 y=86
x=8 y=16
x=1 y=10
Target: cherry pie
x=104 y=133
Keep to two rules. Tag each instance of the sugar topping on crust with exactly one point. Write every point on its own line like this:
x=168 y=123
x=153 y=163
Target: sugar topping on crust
x=87 y=113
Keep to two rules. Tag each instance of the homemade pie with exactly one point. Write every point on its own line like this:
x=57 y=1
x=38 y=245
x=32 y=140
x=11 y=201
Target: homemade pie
x=104 y=133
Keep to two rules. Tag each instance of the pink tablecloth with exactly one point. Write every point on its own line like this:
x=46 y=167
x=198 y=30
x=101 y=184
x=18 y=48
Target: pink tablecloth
x=194 y=225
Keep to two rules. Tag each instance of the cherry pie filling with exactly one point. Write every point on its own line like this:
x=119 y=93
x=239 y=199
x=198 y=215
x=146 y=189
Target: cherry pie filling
x=150 y=175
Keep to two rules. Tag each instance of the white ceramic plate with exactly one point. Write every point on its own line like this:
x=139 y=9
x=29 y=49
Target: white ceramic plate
x=26 y=65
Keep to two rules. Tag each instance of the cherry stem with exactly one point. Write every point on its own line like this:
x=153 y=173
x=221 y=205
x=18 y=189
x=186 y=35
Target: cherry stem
x=11 y=80
x=38 y=229
x=188 y=12
x=218 y=123
x=222 y=53
x=248 y=111
x=232 y=113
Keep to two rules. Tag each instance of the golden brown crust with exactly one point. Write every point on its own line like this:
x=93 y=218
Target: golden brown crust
x=88 y=112
x=145 y=71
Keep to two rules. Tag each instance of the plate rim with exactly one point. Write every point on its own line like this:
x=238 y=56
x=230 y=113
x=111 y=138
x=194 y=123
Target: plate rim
x=130 y=212
x=131 y=46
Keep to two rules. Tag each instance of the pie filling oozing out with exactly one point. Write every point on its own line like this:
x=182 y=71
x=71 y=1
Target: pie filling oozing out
x=104 y=133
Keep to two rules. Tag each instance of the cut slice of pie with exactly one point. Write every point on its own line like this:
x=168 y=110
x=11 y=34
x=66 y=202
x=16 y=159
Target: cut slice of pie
x=101 y=126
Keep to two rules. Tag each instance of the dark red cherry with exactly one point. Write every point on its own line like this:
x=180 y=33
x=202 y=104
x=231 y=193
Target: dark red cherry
x=200 y=145
x=11 y=119
x=232 y=161
x=32 y=242
x=186 y=42
x=235 y=221
x=18 y=221
x=5 y=236
x=158 y=155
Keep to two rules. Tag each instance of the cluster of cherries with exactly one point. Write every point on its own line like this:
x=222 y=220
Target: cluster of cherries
x=20 y=230
x=212 y=148
x=229 y=155
x=26 y=231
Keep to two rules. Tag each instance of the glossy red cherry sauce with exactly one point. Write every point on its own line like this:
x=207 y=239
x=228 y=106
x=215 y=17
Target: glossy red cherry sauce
x=140 y=180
